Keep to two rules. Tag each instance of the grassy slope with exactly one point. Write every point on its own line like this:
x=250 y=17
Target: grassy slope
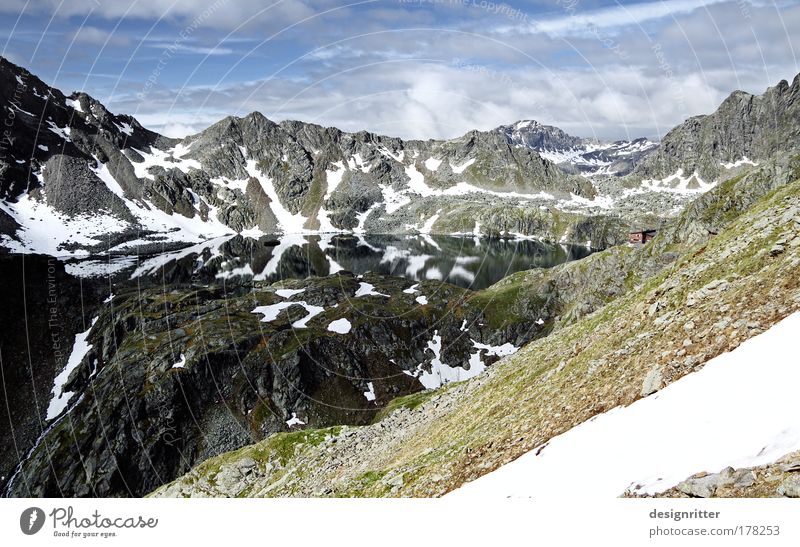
x=736 y=288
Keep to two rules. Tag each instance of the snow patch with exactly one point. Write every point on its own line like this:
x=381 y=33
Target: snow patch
x=340 y=326
x=458 y=169
x=288 y=293
x=294 y=421
x=272 y=311
x=441 y=373
x=63 y=132
x=367 y=289
x=287 y=222
x=432 y=164
x=75 y=105
x=412 y=289
x=738 y=163
x=679 y=184
x=45 y=230
x=126 y=128
x=79 y=350
x=392 y=199
x=698 y=423
x=334 y=178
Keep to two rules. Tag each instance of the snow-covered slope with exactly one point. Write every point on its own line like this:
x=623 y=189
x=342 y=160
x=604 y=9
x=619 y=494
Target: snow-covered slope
x=740 y=410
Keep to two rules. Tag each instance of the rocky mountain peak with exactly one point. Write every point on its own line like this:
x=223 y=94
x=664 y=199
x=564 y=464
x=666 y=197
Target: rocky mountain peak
x=746 y=129
x=577 y=154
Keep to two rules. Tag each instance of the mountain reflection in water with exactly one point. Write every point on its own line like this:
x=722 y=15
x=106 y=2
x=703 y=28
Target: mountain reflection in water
x=469 y=262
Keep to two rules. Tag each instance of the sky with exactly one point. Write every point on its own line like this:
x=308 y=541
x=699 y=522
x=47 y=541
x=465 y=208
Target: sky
x=408 y=68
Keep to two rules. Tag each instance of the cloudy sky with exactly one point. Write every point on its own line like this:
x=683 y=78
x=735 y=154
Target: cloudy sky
x=411 y=68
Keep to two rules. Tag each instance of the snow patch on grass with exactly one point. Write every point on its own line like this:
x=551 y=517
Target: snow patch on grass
x=441 y=373
x=412 y=289
x=294 y=421
x=458 y=169
x=272 y=311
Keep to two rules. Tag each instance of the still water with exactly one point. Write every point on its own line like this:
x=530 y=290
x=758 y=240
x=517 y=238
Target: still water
x=468 y=262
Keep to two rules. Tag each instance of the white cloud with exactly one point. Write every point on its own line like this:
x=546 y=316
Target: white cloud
x=187 y=48
x=578 y=22
x=428 y=100
x=407 y=82
x=98 y=37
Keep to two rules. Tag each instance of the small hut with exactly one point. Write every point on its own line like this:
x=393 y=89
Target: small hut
x=640 y=237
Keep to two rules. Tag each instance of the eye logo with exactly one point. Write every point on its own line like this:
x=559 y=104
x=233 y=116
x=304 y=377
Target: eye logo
x=31 y=520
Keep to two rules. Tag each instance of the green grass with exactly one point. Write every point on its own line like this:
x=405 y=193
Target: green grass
x=407 y=401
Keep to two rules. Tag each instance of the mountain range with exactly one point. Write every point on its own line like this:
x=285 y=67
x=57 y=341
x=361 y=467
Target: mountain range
x=117 y=187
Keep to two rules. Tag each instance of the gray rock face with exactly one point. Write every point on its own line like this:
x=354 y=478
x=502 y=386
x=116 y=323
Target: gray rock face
x=705 y=486
x=245 y=173
x=790 y=487
x=74 y=189
x=652 y=382
x=752 y=126
x=708 y=214
x=297 y=158
x=76 y=126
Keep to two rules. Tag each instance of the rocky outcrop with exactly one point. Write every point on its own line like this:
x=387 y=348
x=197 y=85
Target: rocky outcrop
x=780 y=479
x=744 y=127
x=74 y=189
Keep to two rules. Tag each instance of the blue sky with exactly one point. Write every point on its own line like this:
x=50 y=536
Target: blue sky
x=411 y=68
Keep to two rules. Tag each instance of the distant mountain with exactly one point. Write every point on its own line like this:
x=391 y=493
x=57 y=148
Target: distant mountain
x=575 y=154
